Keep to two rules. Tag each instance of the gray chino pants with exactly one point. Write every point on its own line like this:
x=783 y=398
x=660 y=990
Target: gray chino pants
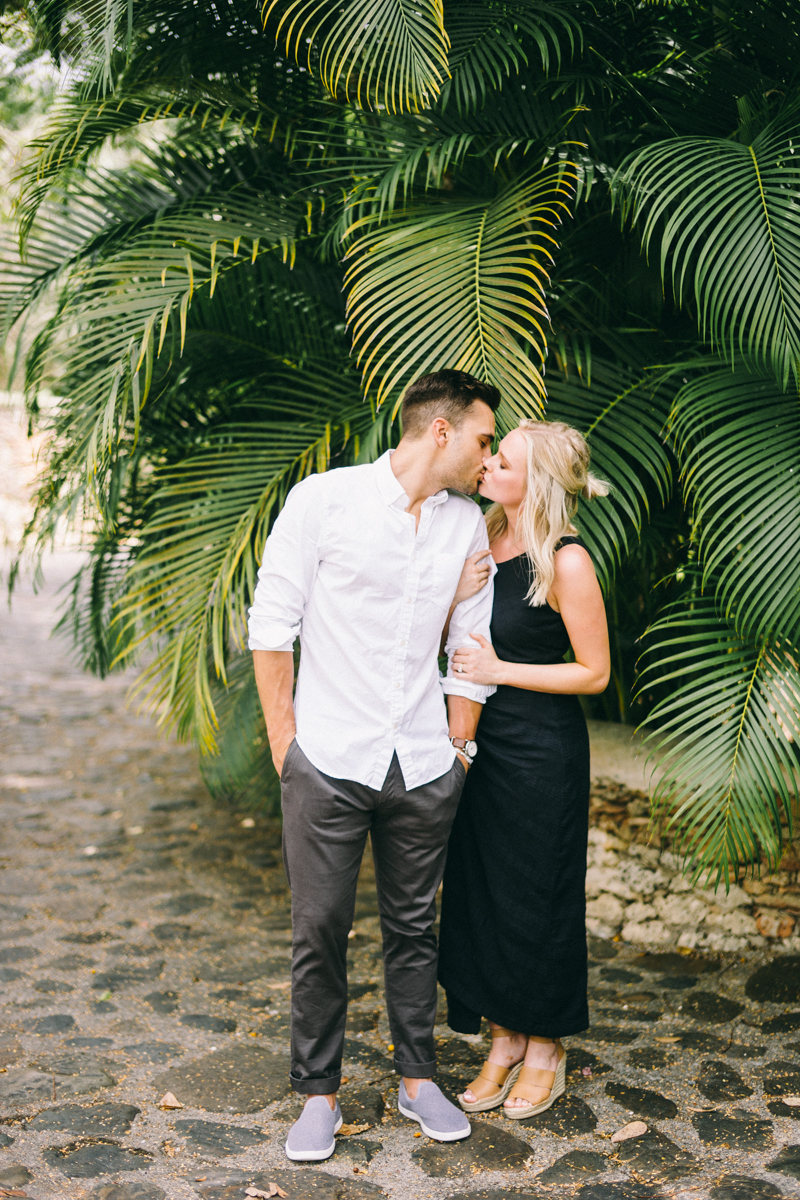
x=325 y=827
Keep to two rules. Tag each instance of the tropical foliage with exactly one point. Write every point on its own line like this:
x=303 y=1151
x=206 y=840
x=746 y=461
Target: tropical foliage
x=248 y=231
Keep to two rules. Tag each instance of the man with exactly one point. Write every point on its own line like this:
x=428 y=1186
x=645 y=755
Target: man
x=363 y=563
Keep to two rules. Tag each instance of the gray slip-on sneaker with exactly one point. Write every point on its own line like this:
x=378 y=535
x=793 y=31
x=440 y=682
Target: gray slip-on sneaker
x=437 y=1117
x=311 y=1137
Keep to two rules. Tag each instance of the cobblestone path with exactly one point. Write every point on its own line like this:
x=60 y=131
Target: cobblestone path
x=144 y=949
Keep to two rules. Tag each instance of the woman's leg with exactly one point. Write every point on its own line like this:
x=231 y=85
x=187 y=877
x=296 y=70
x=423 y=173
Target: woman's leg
x=541 y=1054
x=505 y=1052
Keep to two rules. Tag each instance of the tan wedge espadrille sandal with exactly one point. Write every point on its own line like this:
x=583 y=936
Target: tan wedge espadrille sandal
x=532 y=1077
x=494 y=1082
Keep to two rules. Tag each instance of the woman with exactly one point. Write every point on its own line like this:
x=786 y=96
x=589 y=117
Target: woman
x=513 y=939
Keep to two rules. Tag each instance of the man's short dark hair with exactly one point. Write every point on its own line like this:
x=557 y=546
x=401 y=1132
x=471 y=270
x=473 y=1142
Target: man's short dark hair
x=448 y=394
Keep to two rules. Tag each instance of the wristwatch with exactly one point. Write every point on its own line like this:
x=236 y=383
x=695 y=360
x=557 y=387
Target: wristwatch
x=466 y=747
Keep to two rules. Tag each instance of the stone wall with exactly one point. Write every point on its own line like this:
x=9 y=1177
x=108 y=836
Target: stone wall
x=636 y=891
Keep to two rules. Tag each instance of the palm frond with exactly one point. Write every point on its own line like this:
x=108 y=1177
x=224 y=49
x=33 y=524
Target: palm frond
x=727 y=217
x=377 y=54
x=107 y=29
x=737 y=436
x=128 y=301
x=97 y=207
x=93 y=597
x=459 y=285
x=622 y=414
x=79 y=126
x=242 y=771
x=724 y=741
x=192 y=582
x=489 y=43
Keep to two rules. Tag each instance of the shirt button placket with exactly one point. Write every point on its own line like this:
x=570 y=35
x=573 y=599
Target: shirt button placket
x=406 y=617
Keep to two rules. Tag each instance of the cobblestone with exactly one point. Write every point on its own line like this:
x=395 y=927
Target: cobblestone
x=182 y=912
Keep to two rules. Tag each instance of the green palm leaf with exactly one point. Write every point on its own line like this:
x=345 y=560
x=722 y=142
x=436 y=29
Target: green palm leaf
x=381 y=54
x=737 y=436
x=725 y=745
x=727 y=215
x=191 y=585
x=490 y=42
x=127 y=302
x=242 y=772
x=622 y=414
x=260 y=321
x=79 y=126
x=97 y=208
x=460 y=285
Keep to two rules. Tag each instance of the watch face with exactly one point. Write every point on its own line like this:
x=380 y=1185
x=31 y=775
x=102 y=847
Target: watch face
x=471 y=749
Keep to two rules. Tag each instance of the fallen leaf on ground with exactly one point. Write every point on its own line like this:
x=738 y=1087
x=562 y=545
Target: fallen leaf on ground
x=632 y=1130
x=274 y=1190
x=792 y=1101
x=169 y=1101
x=349 y=1130
x=277 y=987
x=667 y=1039
x=13 y=1192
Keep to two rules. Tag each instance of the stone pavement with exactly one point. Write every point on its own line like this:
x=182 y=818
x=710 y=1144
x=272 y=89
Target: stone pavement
x=144 y=948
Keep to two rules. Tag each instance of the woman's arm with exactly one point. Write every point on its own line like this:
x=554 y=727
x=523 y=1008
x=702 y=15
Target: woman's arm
x=576 y=595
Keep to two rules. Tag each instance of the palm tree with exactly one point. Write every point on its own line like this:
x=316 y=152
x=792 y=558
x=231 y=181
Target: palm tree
x=596 y=207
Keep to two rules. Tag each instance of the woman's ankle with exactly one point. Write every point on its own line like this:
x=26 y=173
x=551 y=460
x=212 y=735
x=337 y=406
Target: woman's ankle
x=541 y=1050
x=508 y=1050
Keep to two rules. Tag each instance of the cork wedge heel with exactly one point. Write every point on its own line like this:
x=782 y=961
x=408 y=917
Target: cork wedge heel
x=494 y=1082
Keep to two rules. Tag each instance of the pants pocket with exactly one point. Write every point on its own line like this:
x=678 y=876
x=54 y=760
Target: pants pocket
x=288 y=759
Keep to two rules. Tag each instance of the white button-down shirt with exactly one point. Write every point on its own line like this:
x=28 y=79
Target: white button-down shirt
x=368 y=593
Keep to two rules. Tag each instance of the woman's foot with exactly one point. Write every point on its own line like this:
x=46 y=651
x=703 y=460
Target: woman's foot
x=543 y=1056
x=505 y=1052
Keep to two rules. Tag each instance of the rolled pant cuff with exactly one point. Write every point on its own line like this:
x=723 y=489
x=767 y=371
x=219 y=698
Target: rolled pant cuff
x=415 y=1070
x=316 y=1087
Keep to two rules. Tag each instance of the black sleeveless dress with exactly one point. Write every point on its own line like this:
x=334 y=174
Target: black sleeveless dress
x=512 y=941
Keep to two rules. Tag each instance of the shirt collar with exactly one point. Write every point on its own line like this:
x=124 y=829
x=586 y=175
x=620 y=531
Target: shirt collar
x=391 y=489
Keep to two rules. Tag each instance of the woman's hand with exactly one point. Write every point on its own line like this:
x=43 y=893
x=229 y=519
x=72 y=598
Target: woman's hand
x=478 y=666
x=474 y=576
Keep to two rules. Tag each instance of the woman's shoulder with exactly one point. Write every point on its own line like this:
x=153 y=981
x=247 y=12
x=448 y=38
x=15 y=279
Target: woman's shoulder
x=573 y=564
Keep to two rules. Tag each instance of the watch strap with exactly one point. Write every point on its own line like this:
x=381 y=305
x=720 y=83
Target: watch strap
x=460 y=744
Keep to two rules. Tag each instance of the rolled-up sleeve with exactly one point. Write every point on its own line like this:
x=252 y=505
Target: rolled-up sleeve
x=471 y=616
x=291 y=558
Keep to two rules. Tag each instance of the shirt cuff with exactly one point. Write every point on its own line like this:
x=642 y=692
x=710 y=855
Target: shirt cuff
x=472 y=691
x=269 y=635
x=255 y=644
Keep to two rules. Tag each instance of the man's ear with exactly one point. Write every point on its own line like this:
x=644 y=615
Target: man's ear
x=441 y=430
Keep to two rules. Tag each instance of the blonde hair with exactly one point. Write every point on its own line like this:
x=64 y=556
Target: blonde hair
x=558 y=474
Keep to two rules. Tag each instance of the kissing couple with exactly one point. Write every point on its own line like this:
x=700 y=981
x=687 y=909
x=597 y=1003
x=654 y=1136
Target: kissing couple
x=376 y=568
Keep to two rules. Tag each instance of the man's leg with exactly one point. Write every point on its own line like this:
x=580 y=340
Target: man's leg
x=325 y=824
x=409 y=842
